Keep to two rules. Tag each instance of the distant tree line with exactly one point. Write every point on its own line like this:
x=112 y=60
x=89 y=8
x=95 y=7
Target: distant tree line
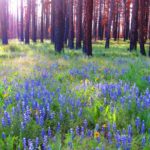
x=77 y=23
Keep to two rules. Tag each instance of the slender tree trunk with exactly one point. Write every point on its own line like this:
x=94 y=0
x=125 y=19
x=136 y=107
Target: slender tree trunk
x=27 y=30
x=47 y=12
x=52 y=21
x=87 y=28
x=59 y=25
x=34 y=28
x=79 y=24
x=71 y=26
x=141 y=27
x=4 y=23
x=108 y=30
x=134 y=26
x=100 y=24
x=42 y=21
x=21 y=28
x=66 y=15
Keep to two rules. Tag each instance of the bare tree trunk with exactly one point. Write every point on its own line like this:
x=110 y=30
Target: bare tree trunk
x=108 y=30
x=34 y=27
x=59 y=25
x=87 y=27
x=79 y=24
x=71 y=26
x=142 y=15
x=21 y=28
x=4 y=23
x=42 y=21
x=27 y=30
x=134 y=26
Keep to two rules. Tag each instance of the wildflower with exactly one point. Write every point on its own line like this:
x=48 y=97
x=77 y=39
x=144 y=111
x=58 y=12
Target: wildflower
x=96 y=134
x=24 y=143
x=143 y=127
x=143 y=141
x=3 y=135
x=36 y=142
x=77 y=130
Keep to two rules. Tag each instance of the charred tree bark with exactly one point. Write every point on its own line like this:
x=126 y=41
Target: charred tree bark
x=79 y=24
x=87 y=27
x=59 y=25
x=134 y=26
x=71 y=26
x=3 y=19
x=108 y=30
x=27 y=29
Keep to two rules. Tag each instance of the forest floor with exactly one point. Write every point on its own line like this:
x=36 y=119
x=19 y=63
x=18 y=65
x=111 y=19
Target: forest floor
x=70 y=99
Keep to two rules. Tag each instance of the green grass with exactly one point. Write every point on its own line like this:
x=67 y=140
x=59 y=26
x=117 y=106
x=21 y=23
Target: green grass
x=18 y=62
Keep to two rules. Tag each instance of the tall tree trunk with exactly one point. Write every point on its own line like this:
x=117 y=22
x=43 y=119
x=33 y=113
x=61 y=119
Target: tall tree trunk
x=87 y=27
x=126 y=19
x=42 y=21
x=59 y=25
x=115 y=22
x=52 y=21
x=34 y=28
x=79 y=24
x=21 y=28
x=27 y=30
x=141 y=26
x=47 y=12
x=108 y=30
x=4 y=23
x=66 y=15
x=134 y=26
x=71 y=26
x=18 y=34
x=100 y=23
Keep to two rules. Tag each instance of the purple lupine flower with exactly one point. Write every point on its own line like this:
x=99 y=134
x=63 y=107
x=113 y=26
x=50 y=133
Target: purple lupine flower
x=77 y=131
x=143 y=141
x=36 y=142
x=58 y=127
x=124 y=141
x=24 y=143
x=3 y=135
x=43 y=133
x=80 y=112
x=143 y=127
x=114 y=126
x=61 y=115
x=72 y=133
x=109 y=137
x=129 y=130
x=137 y=122
x=97 y=148
x=85 y=123
x=30 y=143
x=3 y=122
x=49 y=132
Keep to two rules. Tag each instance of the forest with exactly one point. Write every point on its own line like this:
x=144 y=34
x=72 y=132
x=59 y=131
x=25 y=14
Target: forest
x=74 y=74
